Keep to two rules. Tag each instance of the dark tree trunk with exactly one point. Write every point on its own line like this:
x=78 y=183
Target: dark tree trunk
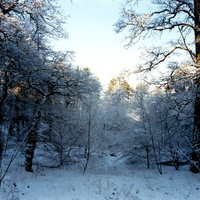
x=4 y=93
x=195 y=166
x=147 y=153
x=30 y=147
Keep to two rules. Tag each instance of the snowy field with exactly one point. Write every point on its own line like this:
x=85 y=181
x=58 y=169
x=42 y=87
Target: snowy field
x=72 y=185
x=106 y=182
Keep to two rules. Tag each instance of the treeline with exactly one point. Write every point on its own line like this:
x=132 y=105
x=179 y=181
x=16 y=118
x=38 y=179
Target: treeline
x=155 y=122
x=49 y=106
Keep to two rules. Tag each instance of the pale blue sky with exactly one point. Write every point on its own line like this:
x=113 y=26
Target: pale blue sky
x=97 y=46
x=92 y=37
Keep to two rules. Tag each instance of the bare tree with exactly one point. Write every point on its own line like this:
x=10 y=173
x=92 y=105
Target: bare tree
x=181 y=16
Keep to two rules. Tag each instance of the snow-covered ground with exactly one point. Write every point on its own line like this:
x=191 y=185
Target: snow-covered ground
x=111 y=182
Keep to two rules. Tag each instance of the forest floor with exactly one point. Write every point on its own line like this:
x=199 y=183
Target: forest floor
x=108 y=181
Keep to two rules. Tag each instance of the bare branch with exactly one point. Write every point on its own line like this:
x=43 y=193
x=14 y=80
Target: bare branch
x=6 y=9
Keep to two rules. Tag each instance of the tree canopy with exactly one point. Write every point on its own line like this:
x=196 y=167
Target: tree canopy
x=163 y=16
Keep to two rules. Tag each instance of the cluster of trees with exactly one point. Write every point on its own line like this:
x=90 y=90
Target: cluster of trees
x=46 y=103
x=178 y=23
x=154 y=126
x=40 y=91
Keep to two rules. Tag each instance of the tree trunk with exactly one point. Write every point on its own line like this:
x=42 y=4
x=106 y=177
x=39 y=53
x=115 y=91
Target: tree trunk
x=195 y=166
x=4 y=93
x=30 y=146
x=147 y=153
x=88 y=141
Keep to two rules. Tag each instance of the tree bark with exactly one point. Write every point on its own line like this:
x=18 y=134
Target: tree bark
x=30 y=146
x=195 y=166
x=4 y=93
x=147 y=153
